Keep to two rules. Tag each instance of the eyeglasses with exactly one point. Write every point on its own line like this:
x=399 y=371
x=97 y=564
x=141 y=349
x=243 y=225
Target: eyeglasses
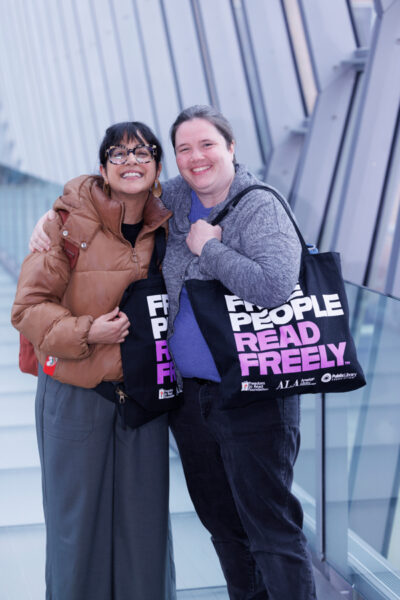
x=118 y=155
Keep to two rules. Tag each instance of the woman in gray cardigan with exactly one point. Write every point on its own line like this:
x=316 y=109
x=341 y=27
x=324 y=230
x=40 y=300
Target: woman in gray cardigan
x=238 y=463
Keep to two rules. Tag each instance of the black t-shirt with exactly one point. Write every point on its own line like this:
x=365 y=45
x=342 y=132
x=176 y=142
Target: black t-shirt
x=130 y=232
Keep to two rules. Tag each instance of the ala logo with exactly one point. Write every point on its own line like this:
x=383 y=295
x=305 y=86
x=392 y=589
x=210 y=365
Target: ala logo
x=245 y=386
x=326 y=378
x=287 y=384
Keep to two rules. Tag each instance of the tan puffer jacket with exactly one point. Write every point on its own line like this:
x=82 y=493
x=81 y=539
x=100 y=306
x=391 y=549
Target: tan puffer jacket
x=55 y=306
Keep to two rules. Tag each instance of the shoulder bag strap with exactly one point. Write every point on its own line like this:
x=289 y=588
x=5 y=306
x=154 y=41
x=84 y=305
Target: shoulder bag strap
x=158 y=252
x=236 y=199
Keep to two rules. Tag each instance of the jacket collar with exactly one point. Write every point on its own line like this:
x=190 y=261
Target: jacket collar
x=84 y=197
x=111 y=211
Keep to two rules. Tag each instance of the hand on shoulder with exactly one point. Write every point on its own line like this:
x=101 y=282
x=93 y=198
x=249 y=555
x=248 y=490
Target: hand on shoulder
x=39 y=240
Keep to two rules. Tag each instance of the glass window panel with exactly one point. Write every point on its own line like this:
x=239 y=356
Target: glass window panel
x=390 y=218
x=85 y=25
x=396 y=279
x=363 y=455
x=340 y=174
x=230 y=80
x=133 y=63
x=63 y=69
x=12 y=127
x=48 y=104
x=186 y=53
x=160 y=74
x=301 y=52
x=305 y=472
x=84 y=104
x=363 y=17
x=21 y=92
x=110 y=61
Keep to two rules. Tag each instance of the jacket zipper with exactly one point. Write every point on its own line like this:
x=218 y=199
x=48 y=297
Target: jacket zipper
x=135 y=261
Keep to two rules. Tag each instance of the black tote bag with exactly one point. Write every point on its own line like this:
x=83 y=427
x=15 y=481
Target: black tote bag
x=149 y=388
x=302 y=347
x=149 y=374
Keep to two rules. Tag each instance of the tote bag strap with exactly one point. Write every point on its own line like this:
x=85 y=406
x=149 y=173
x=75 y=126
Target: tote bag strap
x=157 y=257
x=236 y=199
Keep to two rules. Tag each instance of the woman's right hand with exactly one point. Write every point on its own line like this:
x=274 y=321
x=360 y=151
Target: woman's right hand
x=111 y=328
x=39 y=240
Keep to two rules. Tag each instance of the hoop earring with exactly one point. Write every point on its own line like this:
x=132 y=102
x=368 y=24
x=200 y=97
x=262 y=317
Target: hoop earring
x=107 y=189
x=156 y=190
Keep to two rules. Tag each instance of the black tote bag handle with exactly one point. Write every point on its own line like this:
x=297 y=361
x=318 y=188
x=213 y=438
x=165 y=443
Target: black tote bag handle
x=236 y=199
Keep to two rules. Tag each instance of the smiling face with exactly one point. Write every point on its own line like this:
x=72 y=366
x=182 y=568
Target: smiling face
x=203 y=157
x=131 y=179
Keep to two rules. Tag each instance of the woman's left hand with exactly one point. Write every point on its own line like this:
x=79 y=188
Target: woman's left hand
x=200 y=232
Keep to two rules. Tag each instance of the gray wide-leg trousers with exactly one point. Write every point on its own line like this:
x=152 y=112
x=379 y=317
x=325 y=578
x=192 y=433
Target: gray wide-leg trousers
x=105 y=497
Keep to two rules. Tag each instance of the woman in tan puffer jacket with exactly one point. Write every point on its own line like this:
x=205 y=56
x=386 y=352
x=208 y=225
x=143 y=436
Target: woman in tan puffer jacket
x=105 y=487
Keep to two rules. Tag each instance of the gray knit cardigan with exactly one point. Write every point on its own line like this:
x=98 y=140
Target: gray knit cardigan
x=258 y=257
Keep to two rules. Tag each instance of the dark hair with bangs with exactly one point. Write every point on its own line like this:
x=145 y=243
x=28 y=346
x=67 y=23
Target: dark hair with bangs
x=130 y=130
